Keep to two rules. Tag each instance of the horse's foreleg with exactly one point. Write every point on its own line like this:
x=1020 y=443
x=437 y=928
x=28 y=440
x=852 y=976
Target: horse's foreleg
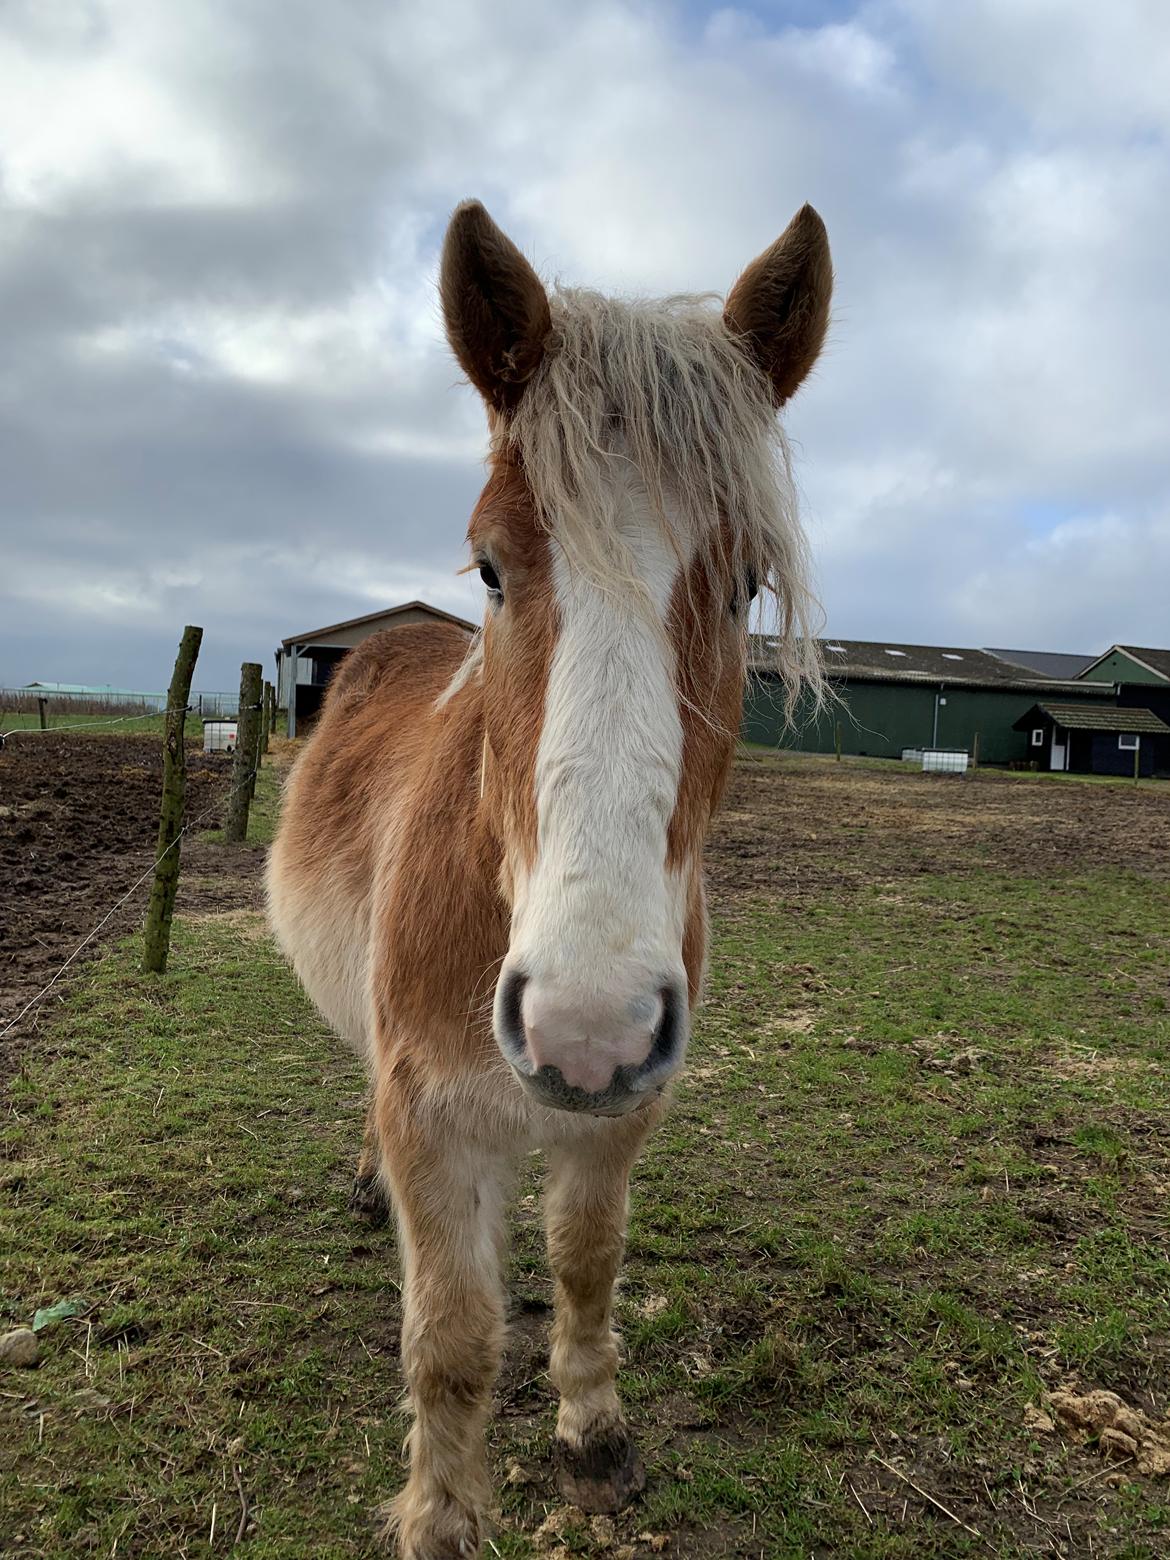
x=367 y=1197
x=449 y=1201
x=585 y=1212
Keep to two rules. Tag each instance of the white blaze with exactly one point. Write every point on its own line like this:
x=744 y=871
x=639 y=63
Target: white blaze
x=599 y=921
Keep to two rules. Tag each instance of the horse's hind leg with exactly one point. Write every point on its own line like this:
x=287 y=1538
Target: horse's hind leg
x=449 y=1198
x=367 y=1198
x=585 y=1213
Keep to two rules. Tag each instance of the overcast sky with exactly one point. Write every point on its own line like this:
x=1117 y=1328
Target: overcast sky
x=224 y=393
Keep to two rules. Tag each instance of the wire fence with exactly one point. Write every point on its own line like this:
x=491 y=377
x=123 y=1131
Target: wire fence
x=220 y=802
x=85 y=725
x=62 y=706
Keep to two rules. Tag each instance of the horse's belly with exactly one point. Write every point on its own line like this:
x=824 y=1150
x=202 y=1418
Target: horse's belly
x=324 y=931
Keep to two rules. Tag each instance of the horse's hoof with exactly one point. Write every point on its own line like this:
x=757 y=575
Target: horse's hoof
x=603 y=1474
x=367 y=1201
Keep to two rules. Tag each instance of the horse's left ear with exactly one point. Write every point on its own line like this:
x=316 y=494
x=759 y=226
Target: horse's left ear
x=494 y=306
x=780 y=305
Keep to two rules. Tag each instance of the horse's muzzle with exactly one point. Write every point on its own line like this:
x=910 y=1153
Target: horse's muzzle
x=600 y=1060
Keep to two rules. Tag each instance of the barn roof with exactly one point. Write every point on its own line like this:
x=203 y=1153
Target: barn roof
x=1045 y=663
x=1081 y=717
x=880 y=660
x=105 y=689
x=375 y=617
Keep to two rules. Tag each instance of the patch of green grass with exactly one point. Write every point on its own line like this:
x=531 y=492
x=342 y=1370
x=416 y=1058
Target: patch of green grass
x=131 y=724
x=264 y=810
x=895 y=1200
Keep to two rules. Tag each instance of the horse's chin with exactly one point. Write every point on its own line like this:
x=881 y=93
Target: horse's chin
x=548 y=1089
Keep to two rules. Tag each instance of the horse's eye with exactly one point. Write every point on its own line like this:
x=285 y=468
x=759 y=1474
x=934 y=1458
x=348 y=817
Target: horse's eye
x=746 y=590
x=491 y=579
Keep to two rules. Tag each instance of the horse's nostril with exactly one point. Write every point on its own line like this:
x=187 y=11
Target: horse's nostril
x=668 y=1034
x=509 y=1011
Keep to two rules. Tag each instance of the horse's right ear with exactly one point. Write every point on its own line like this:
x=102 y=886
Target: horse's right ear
x=779 y=308
x=494 y=306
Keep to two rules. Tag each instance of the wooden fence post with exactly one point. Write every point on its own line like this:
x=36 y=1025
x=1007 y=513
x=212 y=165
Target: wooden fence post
x=42 y=706
x=975 y=751
x=837 y=742
x=1137 y=761
x=272 y=708
x=257 y=744
x=235 y=828
x=265 y=721
x=157 y=940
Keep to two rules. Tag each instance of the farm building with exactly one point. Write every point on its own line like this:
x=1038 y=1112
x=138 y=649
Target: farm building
x=305 y=662
x=1142 y=677
x=1097 y=740
x=94 y=693
x=899 y=696
x=1129 y=664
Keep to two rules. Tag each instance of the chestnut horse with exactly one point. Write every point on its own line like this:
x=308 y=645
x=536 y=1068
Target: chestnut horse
x=524 y=812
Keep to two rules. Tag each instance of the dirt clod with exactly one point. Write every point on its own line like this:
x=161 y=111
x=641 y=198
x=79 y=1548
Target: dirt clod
x=554 y=1525
x=1121 y=1432
x=603 y=1531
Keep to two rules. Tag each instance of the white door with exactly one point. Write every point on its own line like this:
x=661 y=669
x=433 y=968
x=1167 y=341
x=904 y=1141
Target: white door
x=1059 y=749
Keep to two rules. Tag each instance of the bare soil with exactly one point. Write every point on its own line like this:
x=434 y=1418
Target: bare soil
x=793 y=827
x=78 y=822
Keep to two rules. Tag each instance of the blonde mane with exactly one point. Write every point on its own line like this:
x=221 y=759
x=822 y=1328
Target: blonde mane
x=663 y=386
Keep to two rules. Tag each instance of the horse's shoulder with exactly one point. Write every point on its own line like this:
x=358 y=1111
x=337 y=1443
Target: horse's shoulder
x=413 y=657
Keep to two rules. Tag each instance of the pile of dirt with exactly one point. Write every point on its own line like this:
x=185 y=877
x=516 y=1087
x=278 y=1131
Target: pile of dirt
x=1122 y=1434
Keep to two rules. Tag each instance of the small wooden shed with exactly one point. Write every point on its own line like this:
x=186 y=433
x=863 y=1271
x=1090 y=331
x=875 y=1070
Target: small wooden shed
x=1096 y=740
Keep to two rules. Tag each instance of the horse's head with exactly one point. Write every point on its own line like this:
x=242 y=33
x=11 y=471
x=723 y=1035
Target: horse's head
x=638 y=499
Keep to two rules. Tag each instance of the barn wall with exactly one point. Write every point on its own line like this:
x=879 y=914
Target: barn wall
x=876 y=719
x=1117 y=667
x=992 y=715
x=880 y=719
x=1109 y=759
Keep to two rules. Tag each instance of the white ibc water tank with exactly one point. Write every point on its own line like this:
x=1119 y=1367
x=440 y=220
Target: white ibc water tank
x=944 y=761
x=219 y=736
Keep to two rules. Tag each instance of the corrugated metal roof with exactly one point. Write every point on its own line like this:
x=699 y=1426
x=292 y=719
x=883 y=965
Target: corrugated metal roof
x=1080 y=717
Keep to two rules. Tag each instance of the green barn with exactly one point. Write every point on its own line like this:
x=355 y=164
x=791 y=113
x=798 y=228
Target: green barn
x=894 y=697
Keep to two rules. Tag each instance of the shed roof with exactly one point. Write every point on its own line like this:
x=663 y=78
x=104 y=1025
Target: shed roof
x=375 y=617
x=1082 y=717
x=877 y=660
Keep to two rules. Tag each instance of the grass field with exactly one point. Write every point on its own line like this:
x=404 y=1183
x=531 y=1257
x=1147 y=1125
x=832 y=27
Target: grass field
x=915 y=1178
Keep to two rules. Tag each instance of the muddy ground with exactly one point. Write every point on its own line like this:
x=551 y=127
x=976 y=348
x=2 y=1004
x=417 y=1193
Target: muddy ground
x=794 y=827
x=78 y=823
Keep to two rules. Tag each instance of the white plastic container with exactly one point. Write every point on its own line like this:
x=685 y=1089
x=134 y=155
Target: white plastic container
x=944 y=761
x=219 y=736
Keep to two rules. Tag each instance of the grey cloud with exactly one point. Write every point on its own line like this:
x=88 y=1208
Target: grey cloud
x=223 y=390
